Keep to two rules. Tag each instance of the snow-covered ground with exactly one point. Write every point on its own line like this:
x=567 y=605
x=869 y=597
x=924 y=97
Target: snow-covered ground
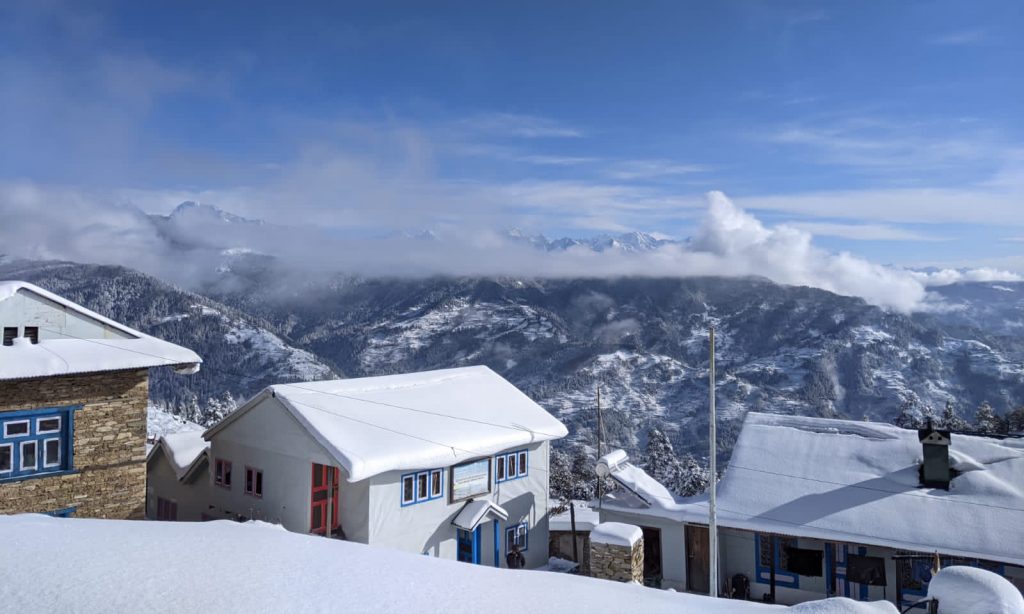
x=222 y=566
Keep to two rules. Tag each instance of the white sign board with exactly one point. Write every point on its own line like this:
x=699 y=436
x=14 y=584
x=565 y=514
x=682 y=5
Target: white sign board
x=471 y=479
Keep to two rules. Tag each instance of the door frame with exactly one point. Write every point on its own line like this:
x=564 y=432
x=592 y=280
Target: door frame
x=329 y=506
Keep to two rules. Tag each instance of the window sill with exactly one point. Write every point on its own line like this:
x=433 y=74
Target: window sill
x=36 y=476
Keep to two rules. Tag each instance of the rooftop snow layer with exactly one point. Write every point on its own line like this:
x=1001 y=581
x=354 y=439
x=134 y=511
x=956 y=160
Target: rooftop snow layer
x=413 y=421
x=616 y=534
x=65 y=356
x=182 y=449
x=127 y=566
x=834 y=479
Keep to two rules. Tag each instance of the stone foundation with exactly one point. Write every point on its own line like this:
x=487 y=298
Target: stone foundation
x=620 y=563
x=109 y=445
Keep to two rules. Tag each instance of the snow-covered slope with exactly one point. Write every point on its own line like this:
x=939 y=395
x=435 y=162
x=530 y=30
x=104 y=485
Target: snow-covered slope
x=223 y=566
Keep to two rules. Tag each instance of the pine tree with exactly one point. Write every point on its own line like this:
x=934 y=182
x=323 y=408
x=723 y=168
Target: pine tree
x=1015 y=420
x=952 y=421
x=684 y=477
x=909 y=416
x=986 y=422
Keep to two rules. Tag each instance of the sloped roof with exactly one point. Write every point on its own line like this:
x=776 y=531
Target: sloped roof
x=184 y=450
x=856 y=482
x=412 y=421
x=73 y=355
x=859 y=481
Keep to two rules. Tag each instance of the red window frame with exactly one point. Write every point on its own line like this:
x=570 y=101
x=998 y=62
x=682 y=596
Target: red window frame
x=324 y=481
x=166 y=509
x=254 y=482
x=222 y=473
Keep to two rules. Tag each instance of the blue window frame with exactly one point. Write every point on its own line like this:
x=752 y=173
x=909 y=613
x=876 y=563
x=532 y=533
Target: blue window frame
x=67 y=512
x=511 y=466
x=517 y=534
x=37 y=442
x=763 y=553
x=422 y=486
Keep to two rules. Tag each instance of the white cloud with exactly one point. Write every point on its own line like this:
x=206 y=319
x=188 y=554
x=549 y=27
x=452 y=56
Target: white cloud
x=629 y=170
x=518 y=125
x=961 y=38
x=862 y=232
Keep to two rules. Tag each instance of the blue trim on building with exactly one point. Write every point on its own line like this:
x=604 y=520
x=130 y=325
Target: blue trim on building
x=763 y=573
x=417 y=497
x=862 y=551
x=16 y=443
x=830 y=576
x=497 y=545
x=522 y=469
x=67 y=512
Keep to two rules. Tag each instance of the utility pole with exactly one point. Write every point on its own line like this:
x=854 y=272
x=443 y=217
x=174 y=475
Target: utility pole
x=600 y=450
x=712 y=513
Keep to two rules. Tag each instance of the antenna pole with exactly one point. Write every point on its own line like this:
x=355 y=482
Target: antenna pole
x=600 y=450
x=712 y=513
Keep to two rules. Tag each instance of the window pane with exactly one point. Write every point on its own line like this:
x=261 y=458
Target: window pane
x=51 y=452
x=318 y=475
x=16 y=429
x=318 y=517
x=435 y=484
x=259 y=483
x=501 y=467
x=47 y=425
x=248 y=480
x=512 y=466
x=227 y=474
x=522 y=463
x=421 y=483
x=28 y=455
x=407 y=489
x=6 y=457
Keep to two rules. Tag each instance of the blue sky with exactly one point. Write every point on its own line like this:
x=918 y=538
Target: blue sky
x=891 y=130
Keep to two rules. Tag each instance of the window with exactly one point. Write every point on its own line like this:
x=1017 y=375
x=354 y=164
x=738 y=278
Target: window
x=511 y=466
x=35 y=442
x=32 y=333
x=436 y=484
x=517 y=535
x=16 y=429
x=422 y=486
x=10 y=332
x=166 y=509
x=408 y=489
x=253 y=482
x=222 y=473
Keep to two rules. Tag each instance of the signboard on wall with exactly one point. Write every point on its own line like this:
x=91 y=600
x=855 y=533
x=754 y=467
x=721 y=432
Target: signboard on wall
x=471 y=479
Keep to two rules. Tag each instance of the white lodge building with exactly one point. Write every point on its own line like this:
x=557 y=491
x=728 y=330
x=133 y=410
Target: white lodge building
x=812 y=507
x=450 y=463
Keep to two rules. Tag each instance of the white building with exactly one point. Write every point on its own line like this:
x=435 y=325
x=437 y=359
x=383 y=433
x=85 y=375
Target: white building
x=450 y=463
x=811 y=507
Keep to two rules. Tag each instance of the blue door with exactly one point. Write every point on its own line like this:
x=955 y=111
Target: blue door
x=468 y=546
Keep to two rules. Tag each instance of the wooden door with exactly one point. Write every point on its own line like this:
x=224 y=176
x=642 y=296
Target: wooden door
x=323 y=499
x=698 y=564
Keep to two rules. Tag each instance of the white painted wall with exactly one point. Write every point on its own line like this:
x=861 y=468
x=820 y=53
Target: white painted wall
x=161 y=481
x=673 y=544
x=427 y=526
x=54 y=320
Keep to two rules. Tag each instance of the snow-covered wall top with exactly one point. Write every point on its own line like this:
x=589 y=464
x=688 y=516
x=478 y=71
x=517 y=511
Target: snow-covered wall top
x=182 y=449
x=834 y=479
x=412 y=421
x=62 y=352
x=616 y=534
x=969 y=590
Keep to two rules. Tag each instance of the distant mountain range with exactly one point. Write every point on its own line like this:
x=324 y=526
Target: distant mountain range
x=792 y=350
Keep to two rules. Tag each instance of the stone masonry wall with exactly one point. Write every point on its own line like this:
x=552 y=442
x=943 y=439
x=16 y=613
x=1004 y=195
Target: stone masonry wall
x=109 y=445
x=619 y=563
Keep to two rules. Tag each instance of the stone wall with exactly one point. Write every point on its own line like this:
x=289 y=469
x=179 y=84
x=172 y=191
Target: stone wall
x=109 y=445
x=620 y=563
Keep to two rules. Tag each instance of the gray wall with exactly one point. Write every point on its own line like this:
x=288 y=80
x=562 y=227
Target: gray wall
x=53 y=319
x=161 y=481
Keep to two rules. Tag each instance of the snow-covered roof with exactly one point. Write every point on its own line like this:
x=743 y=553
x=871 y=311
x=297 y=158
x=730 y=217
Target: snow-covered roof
x=586 y=518
x=183 y=450
x=859 y=482
x=616 y=534
x=412 y=421
x=71 y=355
x=474 y=512
x=127 y=566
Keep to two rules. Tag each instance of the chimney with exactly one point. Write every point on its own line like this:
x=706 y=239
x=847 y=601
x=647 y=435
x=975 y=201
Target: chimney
x=935 y=470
